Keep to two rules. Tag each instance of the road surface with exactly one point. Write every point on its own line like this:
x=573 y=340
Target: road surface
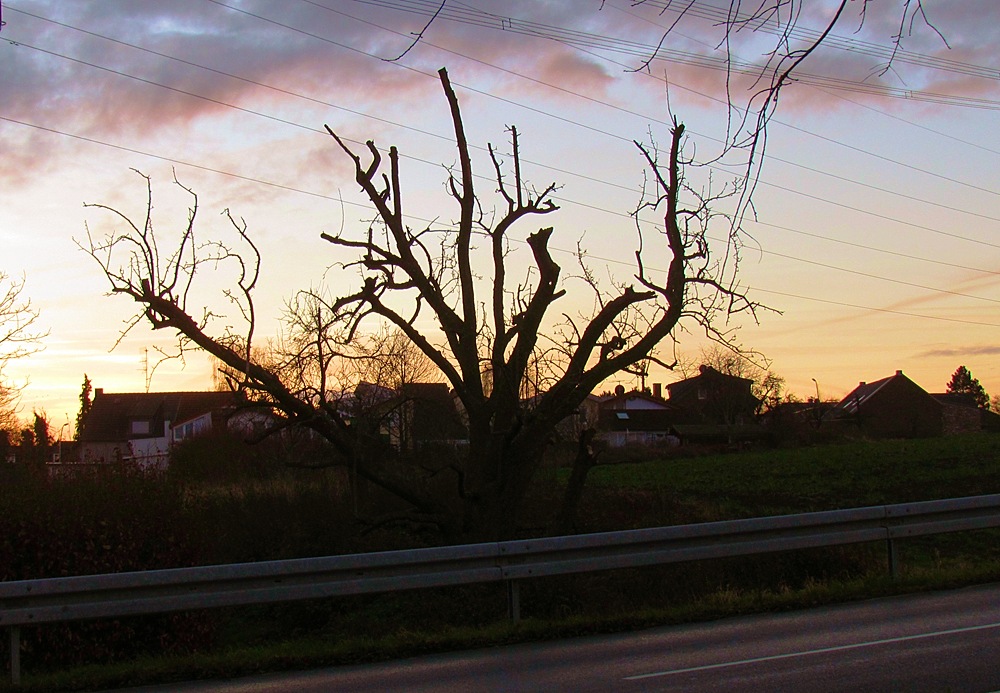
x=942 y=641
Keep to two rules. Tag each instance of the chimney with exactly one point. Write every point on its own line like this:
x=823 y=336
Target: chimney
x=98 y=392
x=862 y=383
x=658 y=390
x=899 y=372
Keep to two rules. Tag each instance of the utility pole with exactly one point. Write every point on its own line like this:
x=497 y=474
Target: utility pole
x=145 y=368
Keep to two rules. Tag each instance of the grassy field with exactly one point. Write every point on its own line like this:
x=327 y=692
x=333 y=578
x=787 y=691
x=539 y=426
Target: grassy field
x=773 y=482
x=672 y=490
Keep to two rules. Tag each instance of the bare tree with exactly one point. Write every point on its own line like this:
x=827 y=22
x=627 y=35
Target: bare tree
x=495 y=338
x=19 y=337
x=389 y=359
x=501 y=326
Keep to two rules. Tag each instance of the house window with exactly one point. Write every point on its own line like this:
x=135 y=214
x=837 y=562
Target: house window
x=622 y=415
x=184 y=431
x=140 y=427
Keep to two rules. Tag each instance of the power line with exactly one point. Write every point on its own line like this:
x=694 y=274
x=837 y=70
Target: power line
x=876 y=309
x=510 y=24
x=285 y=121
x=311 y=129
x=778 y=121
x=402 y=126
x=691 y=131
x=852 y=45
x=600 y=131
x=288 y=188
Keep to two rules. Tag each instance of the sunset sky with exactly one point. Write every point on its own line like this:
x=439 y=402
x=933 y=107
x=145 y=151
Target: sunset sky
x=877 y=231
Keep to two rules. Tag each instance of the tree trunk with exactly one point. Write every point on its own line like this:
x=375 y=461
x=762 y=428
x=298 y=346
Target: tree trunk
x=492 y=509
x=584 y=461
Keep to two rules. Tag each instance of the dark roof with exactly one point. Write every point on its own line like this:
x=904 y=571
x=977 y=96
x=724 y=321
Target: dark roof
x=705 y=374
x=111 y=414
x=865 y=391
x=958 y=399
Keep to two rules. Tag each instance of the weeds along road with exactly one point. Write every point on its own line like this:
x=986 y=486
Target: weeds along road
x=930 y=642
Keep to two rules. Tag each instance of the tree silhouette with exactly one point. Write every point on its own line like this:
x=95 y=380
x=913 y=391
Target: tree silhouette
x=86 y=390
x=502 y=326
x=962 y=383
x=451 y=290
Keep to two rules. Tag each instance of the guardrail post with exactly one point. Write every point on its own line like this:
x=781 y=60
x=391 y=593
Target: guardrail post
x=15 y=655
x=893 y=559
x=514 y=600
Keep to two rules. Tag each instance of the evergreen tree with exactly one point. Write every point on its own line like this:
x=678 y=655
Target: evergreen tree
x=85 y=404
x=962 y=383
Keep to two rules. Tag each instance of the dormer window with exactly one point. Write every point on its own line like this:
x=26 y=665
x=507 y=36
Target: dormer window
x=140 y=427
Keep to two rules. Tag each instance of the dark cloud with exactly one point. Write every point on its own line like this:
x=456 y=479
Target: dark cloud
x=961 y=352
x=60 y=73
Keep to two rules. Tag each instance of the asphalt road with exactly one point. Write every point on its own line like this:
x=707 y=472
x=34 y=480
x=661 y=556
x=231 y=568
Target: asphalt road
x=943 y=641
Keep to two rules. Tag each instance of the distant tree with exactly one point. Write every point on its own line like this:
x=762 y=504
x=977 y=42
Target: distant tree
x=85 y=404
x=389 y=358
x=35 y=440
x=42 y=430
x=962 y=383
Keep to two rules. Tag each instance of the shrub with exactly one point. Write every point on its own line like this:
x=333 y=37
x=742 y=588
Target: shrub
x=98 y=520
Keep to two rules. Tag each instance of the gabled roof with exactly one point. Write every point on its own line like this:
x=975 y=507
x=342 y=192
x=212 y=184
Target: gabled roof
x=859 y=395
x=865 y=391
x=111 y=414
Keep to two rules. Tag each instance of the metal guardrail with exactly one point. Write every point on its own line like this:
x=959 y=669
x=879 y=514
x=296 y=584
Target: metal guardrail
x=114 y=595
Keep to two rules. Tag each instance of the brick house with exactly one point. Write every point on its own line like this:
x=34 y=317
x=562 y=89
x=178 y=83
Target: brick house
x=893 y=407
x=716 y=398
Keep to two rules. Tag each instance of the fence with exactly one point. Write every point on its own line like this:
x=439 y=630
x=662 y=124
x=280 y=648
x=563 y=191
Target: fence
x=161 y=591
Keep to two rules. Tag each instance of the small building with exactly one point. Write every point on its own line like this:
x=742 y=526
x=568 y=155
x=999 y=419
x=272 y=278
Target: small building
x=429 y=415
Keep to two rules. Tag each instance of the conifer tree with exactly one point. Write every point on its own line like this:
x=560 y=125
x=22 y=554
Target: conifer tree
x=962 y=383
